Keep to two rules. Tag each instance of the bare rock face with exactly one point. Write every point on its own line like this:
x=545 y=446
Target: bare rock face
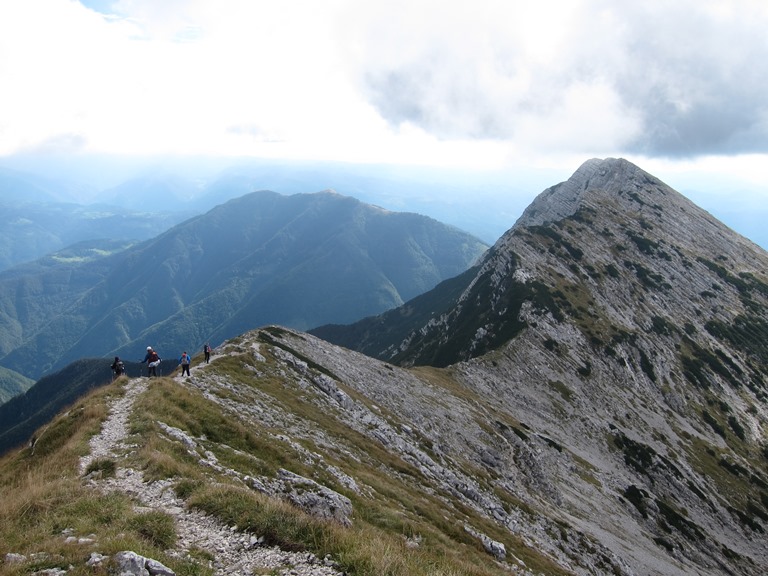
x=564 y=199
x=616 y=339
x=131 y=564
x=318 y=500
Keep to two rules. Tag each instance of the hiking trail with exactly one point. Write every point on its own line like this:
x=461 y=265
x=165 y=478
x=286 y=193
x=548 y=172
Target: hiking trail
x=234 y=552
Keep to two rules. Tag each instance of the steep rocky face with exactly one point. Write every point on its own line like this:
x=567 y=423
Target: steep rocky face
x=613 y=235
x=624 y=330
x=597 y=475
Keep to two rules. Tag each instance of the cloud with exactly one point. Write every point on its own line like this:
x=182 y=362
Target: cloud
x=680 y=79
x=397 y=81
x=697 y=77
x=149 y=77
x=59 y=144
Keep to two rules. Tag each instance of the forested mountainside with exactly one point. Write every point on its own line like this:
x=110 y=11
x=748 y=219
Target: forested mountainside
x=11 y=384
x=300 y=261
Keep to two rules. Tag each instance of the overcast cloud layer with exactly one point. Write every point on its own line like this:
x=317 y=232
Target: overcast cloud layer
x=657 y=78
x=682 y=78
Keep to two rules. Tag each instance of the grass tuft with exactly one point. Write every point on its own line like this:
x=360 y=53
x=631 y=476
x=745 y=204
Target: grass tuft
x=157 y=528
x=105 y=467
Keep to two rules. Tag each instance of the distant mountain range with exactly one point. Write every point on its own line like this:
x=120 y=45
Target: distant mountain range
x=483 y=203
x=41 y=215
x=590 y=398
x=300 y=261
x=31 y=230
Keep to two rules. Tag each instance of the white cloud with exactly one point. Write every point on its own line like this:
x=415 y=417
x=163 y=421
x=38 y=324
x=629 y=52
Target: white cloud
x=403 y=81
x=140 y=82
x=689 y=76
x=677 y=87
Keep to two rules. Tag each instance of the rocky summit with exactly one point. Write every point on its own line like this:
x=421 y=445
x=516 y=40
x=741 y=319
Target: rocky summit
x=591 y=398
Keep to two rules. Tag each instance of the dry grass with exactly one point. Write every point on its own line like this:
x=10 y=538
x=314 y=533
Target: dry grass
x=43 y=495
x=397 y=506
x=376 y=542
x=45 y=500
x=363 y=551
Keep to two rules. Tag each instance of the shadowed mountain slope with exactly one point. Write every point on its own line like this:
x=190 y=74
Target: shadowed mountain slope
x=299 y=260
x=32 y=409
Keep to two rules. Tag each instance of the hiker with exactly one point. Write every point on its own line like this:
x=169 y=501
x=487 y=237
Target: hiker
x=118 y=367
x=184 y=361
x=153 y=361
x=207 y=351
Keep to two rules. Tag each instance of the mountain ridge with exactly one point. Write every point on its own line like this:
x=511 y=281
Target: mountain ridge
x=456 y=454
x=590 y=398
x=297 y=260
x=633 y=219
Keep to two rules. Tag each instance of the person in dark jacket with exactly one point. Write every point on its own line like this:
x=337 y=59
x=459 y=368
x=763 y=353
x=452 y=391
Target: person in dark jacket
x=207 y=352
x=118 y=368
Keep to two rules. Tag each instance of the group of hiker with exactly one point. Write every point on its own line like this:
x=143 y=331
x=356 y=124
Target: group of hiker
x=152 y=360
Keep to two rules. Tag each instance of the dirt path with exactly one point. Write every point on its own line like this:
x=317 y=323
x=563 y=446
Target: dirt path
x=234 y=552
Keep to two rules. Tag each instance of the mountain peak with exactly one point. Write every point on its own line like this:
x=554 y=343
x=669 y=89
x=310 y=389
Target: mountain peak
x=608 y=175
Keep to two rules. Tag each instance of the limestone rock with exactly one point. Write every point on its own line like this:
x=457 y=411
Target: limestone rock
x=316 y=499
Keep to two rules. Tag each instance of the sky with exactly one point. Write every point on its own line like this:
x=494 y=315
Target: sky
x=679 y=87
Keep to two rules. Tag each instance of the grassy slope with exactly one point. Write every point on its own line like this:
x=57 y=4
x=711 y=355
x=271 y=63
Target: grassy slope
x=43 y=494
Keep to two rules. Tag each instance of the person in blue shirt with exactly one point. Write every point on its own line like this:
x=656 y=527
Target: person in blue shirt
x=185 y=360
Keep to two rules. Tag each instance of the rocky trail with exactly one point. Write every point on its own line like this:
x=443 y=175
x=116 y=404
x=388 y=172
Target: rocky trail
x=234 y=552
